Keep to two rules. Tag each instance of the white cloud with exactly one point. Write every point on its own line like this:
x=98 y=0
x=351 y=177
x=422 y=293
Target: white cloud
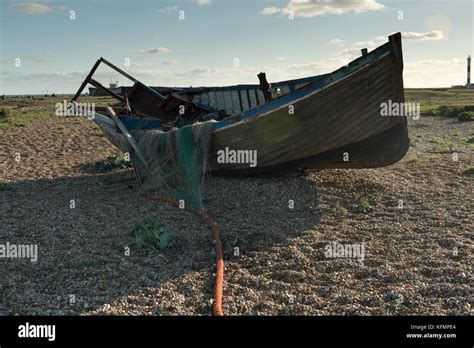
x=31 y=8
x=407 y=36
x=203 y=2
x=372 y=43
x=336 y=42
x=281 y=59
x=171 y=62
x=313 y=8
x=169 y=9
x=432 y=35
x=350 y=53
x=157 y=50
x=196 y=72
x=270 y=10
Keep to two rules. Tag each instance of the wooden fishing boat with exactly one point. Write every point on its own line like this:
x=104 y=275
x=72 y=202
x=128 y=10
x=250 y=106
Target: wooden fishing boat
x=325 y=121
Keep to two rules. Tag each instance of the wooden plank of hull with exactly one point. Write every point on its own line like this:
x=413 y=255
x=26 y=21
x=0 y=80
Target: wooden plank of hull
x=378 y=151
x=252 y=97
x=343 y=114
x=245 y=100
x=110 y=132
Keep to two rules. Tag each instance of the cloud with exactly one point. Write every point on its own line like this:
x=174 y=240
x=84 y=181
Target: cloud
x=196 y=72
x=270 y=10
x=372 y=43
x=203 y=2
x=171 y=62
x=281 y=59
x=432 y=35
x=157 y=50
x=31 y=8
x=407 y=36
x=169 y=9
x=335 y=42
x=313 y=8
x=349 y=53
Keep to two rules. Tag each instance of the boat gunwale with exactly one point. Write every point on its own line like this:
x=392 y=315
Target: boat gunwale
x=240 y=87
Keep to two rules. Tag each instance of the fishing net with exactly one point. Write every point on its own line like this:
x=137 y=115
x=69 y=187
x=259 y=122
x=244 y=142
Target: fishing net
x=177 y=161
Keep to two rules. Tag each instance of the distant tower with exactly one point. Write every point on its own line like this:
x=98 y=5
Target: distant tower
x=468 y=71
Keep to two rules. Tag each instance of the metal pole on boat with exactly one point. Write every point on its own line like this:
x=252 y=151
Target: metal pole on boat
x=86 y=81
x=118 y=69
x=127 y=134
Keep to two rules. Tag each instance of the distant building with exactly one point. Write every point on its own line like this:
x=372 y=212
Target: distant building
x=469 y=84
x=122 y=90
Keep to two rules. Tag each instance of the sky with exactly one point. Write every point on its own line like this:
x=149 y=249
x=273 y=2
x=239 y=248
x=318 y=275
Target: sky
x=49 y=46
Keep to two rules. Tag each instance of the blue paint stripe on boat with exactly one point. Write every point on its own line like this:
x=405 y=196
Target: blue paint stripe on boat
x=326 y=80
x=210 y=116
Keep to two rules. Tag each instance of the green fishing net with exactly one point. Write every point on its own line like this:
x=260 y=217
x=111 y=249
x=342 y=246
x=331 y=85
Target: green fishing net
x=176 y=161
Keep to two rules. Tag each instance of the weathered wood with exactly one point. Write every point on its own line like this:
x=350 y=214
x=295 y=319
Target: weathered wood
x=105 y=61
x=336 y=117
x=235 y=102
x=106 y=90
x=228 y=101
x=245 y=100
x=220 y=104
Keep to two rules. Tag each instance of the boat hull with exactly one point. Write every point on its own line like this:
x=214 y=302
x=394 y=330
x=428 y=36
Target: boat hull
x=339 y=126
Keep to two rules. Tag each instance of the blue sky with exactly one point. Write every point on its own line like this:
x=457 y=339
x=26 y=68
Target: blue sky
x=58 y=41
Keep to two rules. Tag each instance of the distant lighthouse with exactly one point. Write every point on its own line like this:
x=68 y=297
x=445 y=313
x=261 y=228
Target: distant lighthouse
x=468 y=85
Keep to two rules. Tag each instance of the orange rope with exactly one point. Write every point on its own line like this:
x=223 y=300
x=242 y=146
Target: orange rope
x=217 y=307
